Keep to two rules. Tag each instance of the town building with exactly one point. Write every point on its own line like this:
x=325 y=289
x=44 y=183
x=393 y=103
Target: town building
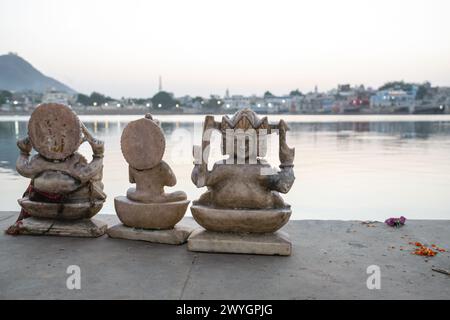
x=55 y=96
x=394 y=99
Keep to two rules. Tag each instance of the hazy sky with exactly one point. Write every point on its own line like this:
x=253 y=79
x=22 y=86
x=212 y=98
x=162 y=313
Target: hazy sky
x=202 y=47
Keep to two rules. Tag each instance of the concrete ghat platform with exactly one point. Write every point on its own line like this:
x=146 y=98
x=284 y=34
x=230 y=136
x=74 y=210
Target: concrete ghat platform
x=329 y=261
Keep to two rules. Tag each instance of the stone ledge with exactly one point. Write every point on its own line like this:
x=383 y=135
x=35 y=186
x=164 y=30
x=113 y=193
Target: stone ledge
x=178 y=235
x=277 y=243
x=329 y=261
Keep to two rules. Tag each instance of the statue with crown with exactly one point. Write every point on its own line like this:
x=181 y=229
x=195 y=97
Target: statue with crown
x=242 y=210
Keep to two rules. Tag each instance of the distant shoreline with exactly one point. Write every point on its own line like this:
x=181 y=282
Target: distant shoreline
x=132 y=112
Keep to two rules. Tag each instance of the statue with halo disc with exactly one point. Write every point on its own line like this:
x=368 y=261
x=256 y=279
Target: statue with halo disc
x=147 y=212
x=65 y=191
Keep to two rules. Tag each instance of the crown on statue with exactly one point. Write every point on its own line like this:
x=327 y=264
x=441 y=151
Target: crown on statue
x=244 y=119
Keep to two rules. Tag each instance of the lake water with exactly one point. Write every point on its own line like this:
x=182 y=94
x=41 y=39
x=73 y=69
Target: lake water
x=346 y=167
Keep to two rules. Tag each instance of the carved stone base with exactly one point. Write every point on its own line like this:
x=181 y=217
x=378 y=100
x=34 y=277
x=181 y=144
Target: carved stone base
x=178 y=235
x=240 y=220
x=277 y=243
x=90 y=228
x=149 y=215
x=67 y=211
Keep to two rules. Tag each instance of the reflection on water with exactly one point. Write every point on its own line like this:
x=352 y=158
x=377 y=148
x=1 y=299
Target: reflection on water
x=347 y=167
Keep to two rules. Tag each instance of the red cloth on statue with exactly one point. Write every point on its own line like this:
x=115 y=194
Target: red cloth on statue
x=34 y=195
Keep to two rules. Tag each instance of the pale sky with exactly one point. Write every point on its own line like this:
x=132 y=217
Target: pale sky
x=203 y=47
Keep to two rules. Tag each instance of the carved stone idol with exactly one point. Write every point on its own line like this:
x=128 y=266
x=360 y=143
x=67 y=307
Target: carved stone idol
x=242 y=209
x=65 y=190
x=147 y=212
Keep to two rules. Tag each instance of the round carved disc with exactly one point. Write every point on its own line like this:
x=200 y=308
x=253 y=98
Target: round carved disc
x=143 y=144
x=54 y=130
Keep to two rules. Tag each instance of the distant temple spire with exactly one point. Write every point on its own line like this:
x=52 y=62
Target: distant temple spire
x=160 y=84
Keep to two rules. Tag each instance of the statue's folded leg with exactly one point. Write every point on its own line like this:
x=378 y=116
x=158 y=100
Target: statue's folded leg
x=278 y=201
x=175 y=196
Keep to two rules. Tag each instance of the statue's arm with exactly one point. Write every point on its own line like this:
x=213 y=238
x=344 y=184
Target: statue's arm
x=90 y=170
x=199 y=173
x=198 y=176
x=170 y=178
x=24 y=165
x=130 y=175
x=286 y=154
x=202 y=177
x=87 y=172
x=283 y=180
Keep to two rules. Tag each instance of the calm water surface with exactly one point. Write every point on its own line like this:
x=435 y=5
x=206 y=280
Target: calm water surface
x=347 y=167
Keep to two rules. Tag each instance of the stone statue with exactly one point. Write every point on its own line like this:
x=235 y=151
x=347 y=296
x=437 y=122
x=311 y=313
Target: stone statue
x=243 y=190
x=65 y=190
x=148 y=212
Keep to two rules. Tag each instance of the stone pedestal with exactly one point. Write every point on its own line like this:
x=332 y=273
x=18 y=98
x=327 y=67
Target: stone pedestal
x=177 y=235
x=277 y=243
x=88 y=228
x=149 y=215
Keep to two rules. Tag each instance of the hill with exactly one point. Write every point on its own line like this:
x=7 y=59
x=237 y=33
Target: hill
x=17 y=74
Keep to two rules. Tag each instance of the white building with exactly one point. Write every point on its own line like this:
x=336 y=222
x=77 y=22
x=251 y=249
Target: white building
x=55 y=96
x=394 y=98
x=237 y=102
